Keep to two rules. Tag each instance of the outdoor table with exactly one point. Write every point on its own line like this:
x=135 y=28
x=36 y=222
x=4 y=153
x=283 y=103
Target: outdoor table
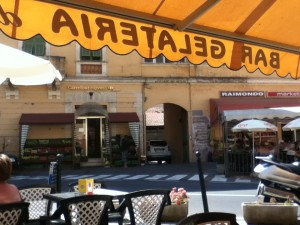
x=56 y=197
x=117 y=196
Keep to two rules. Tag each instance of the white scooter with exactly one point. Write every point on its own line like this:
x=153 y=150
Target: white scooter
x=278 y=180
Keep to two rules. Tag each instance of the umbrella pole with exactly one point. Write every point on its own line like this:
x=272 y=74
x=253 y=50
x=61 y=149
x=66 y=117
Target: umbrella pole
x=253 y=152
x=202 y=183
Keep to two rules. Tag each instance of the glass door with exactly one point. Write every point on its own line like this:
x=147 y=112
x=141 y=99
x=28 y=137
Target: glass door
x=91 y=135
x=80 y=134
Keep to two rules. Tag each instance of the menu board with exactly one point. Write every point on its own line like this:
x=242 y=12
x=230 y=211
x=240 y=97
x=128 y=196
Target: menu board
x=200 y=137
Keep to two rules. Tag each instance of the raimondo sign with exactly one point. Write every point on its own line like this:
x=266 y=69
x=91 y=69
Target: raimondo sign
x=242 y=93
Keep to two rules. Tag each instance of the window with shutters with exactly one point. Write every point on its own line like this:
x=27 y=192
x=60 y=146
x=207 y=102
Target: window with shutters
x=35 y=46
x=88 y=55
x=91 y=63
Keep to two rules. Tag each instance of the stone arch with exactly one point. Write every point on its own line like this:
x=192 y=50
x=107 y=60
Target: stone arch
x=173 y=128
x=91 y=109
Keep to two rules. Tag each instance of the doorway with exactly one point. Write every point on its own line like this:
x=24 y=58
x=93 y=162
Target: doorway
x=91 y=135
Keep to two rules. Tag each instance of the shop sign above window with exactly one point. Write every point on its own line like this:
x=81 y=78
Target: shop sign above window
x=242 y=93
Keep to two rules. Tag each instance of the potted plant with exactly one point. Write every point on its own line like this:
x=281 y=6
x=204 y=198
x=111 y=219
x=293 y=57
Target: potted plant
x=178 y=209
x=270 y=212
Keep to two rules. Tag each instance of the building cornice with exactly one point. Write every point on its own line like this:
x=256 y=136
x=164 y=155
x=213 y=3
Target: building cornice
x=182 y=80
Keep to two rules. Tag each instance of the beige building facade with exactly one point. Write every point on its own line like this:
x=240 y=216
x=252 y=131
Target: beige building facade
x=108 y=98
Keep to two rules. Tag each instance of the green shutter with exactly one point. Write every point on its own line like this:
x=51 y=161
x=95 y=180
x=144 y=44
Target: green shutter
x=97 y=53
x=35 y=46
x=27 y=47
x=40 y=49
x=40 y=46
x=85 y=52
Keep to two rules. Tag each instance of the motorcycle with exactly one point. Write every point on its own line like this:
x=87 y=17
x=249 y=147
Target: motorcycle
x=278 y=180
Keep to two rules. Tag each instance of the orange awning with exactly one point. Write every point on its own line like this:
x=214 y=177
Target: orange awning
x=257 y=34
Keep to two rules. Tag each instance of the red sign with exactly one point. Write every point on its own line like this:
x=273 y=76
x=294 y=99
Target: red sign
x=282 y=94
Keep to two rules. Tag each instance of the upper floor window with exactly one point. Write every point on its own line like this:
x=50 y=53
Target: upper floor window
x=88 y=55
x=35 y=46
x=91 y=63
x=163 y=59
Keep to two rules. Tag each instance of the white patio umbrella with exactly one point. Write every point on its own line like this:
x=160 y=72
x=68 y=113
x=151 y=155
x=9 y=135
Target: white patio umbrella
x=254 y=125
x=293 y=126
x=25 y=69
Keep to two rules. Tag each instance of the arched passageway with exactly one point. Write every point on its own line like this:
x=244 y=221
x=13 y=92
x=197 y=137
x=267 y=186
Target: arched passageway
x=169 y=122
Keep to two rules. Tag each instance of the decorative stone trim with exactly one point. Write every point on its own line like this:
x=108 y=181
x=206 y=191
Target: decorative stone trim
x=53 y=94
x=54 y=90
x=12 y=94
x=11 y=91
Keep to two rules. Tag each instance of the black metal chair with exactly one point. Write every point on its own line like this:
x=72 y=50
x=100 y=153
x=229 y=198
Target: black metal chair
x=14 y=213
x=73 y=187
x=219 y=217
x=146 y=206
x=34 y=194
x=83 y=210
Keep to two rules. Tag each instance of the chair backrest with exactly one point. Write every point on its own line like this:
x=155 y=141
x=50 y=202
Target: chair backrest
x=13 y=213
x=73 y=187
x=145 y=207
x=86 y=209
x=34 y=194
x=221 y=218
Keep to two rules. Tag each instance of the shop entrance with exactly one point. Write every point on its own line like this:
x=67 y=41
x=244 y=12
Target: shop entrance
x=91 y=135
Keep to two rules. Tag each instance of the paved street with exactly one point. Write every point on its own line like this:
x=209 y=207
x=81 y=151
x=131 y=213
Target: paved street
x=172 y=173
x=110 y=175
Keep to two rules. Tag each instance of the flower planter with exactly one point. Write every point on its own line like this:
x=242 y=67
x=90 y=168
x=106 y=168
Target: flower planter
x=175 y=213
x=270 y=213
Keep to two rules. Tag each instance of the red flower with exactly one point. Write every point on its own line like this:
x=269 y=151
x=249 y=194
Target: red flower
x=178 y=196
